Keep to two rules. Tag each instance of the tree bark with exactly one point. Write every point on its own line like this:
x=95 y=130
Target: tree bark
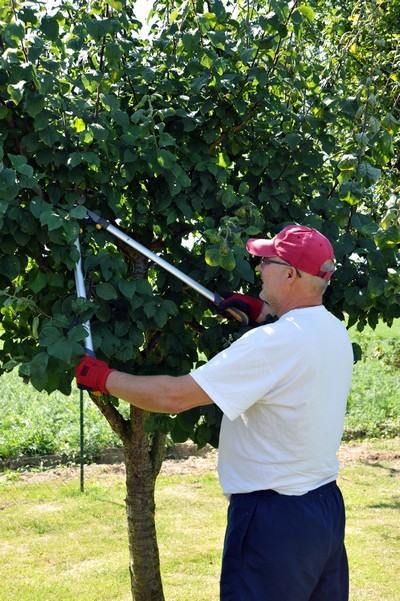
x=143 y=459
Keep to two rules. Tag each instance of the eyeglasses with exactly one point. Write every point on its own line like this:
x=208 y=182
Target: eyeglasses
x=267 y=261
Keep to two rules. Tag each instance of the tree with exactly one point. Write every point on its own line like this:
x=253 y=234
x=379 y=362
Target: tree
x=228 y=121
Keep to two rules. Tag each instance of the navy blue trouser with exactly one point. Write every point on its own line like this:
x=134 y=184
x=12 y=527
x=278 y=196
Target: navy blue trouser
x=285 y=548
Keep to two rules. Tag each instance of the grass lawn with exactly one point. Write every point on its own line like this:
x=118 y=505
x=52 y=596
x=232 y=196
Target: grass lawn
x=74 y=547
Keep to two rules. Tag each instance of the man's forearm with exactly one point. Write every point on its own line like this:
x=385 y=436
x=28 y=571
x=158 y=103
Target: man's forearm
x=158 y=394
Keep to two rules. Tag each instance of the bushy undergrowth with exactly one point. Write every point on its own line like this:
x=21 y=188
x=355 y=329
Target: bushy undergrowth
x=33 y=424
x=373 y=409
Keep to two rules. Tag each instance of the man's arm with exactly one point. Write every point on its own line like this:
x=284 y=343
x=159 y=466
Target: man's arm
x=160 y=394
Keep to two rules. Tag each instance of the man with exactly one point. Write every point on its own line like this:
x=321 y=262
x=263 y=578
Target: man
x=283 y=389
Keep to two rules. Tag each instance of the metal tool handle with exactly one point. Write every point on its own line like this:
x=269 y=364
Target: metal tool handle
x=214 y=297
x=81 y=293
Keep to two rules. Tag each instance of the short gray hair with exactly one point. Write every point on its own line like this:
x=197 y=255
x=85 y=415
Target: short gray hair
x=317 y=284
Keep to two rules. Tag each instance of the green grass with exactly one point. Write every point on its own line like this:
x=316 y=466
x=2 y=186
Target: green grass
x=74 y=547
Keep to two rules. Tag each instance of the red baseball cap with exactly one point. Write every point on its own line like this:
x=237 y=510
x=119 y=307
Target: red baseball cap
x=302 y=247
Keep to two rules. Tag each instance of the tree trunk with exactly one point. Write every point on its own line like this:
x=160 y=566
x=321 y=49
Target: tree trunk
x=143 y=459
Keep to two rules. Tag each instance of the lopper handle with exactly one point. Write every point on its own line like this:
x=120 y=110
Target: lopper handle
x=214 y=297
x=81 y=293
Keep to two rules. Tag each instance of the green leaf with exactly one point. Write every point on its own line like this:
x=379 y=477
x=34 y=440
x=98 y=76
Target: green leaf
x=355 y=296
x=203 y=435
x=100 y=134
x=51 y=219
x=49 y=335
x=357 y=352
x=307 y=12
x=166 y=159
x=348 y=162
x=389 y=238
x=191 y=41
x=367 y=174
x=364 y=224
x=228 y=197
x=91 y=158
x=228 y=261
x=10 y=266
x=49 y=26
x=78 y=212
x=293 y=140
x=391 y=124
x=351 y=192
x=118 y=5
x=37 y=280
x=376 y=287
x=77 y=334
x=166 y=140
x=150 y=308
x=362 y=140
x=34 y=103
x=75 y=159
x=16 y=91
x=37 y=370
x=217 y=39
x=179 y=434
x=106 y=291
x=79 y=124
x=160 y=317
x=61 y=350
x=212 y=256
x=13 y=34
x=127 y=288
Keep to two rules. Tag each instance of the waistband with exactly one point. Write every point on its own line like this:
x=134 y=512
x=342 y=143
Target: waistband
x=321 y=491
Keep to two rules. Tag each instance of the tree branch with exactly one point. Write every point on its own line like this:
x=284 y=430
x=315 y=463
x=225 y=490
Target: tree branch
x=119 y=425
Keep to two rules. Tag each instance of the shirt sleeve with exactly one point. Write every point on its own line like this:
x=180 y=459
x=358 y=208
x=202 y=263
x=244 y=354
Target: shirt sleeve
x=239 y=376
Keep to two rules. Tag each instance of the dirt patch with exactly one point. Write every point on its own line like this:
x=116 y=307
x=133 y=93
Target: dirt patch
x=187 y=459
x=366 y=452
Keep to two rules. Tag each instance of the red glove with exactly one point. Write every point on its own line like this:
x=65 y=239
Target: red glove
x=91 y=374
x=249 y=305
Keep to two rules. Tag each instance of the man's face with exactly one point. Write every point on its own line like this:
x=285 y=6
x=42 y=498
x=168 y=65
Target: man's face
x=274 y=273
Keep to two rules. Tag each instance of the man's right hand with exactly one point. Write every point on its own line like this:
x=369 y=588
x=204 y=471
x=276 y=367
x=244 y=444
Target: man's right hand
x=247 y=304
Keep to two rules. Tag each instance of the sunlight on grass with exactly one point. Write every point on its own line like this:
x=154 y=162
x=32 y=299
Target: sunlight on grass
x=74 y=547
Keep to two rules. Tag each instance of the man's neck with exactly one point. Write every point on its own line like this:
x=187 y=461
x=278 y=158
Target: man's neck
x=299 y=305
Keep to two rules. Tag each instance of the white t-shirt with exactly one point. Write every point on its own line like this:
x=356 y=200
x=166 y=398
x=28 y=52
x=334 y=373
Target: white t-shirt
x=283 y=390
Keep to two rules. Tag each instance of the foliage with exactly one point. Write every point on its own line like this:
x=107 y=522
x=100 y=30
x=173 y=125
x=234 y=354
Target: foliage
x=373 y=404
x=34 y=424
